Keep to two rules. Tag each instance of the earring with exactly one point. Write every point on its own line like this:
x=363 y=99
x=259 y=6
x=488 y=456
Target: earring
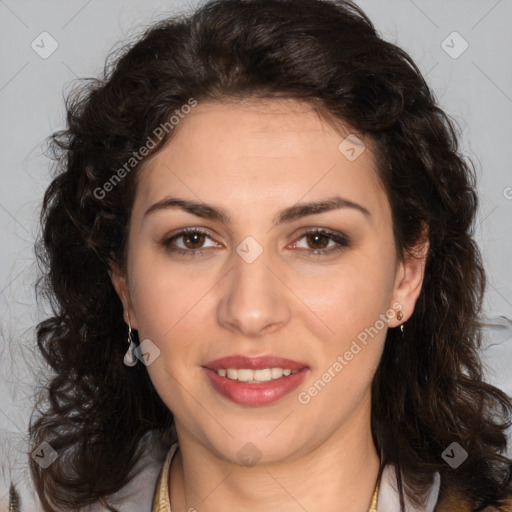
x=399 y=317
x=129 y=357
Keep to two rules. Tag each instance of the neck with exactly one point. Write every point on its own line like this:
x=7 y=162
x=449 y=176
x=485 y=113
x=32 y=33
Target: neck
x=339 y=474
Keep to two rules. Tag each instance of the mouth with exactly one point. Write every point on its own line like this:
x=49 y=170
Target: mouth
x=255 y=381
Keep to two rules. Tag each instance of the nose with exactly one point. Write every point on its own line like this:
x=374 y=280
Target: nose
x=254 y=300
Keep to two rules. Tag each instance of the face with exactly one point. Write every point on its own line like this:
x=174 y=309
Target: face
x=259 y=276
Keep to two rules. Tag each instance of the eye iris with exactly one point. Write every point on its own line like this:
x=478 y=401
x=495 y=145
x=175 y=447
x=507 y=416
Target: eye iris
x=314 y=238
x=197 y=239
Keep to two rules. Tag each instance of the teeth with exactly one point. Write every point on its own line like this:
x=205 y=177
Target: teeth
x=276 y=373
x=232 y=374
x=263 y=375
x=244 y=375
x=255 y=376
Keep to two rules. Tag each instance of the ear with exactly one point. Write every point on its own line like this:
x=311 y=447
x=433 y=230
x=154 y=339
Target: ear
x=409 y=280
x=120 y=283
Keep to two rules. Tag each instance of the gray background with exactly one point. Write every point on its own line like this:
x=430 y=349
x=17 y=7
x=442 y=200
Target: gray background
x=475 y=88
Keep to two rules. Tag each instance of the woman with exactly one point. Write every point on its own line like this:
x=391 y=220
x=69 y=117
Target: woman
x=259 y=248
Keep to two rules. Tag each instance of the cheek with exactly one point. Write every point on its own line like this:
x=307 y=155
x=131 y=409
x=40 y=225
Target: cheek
x=349 y=298
x=169 y=312
x=162 y=295
x=166 y=308
x=352 y=305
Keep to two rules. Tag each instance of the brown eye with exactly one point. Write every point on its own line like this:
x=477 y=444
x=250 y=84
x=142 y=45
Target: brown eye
x=321 y=242
x=189 y=242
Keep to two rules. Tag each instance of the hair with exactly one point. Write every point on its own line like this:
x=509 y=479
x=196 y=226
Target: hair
x=428 y=390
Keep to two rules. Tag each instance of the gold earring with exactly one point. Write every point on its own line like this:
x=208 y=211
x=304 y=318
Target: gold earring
x=399 y=317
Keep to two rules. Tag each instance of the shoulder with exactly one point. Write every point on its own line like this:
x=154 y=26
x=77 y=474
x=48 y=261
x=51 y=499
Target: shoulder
x=434 y=501
x=388 y=498
x=457 y=503
x=138 y=494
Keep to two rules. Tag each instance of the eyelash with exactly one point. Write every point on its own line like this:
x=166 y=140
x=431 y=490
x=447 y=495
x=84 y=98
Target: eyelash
x=340 y=239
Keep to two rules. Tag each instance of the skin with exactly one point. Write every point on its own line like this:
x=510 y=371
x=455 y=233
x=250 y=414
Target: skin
x=255 y=159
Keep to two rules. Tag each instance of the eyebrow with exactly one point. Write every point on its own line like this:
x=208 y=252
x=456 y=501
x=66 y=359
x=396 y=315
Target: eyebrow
x=290 y=214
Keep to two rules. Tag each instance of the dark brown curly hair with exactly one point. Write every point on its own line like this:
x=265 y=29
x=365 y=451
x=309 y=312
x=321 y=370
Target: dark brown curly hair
x=428 y=390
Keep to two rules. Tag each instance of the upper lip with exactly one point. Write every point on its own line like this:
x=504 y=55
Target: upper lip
x=254 y=363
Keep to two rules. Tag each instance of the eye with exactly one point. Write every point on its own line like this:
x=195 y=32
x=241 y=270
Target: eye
x=319 y=240
x=188 y=242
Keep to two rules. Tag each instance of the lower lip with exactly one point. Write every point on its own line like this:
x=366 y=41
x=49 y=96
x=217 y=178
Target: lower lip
x=255 y=394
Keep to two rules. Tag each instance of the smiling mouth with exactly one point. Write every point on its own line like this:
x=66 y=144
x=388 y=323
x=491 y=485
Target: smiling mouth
x=255 y=381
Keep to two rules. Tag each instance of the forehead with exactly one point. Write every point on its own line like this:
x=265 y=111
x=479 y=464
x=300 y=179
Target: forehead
x=261 y=153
